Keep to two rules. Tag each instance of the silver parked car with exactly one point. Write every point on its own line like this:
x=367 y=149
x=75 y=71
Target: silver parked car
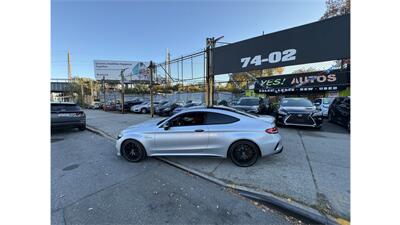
x=200 y=131
x=324 y=104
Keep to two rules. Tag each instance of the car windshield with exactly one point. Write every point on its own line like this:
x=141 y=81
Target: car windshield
x=327 y=100
x=296 y=102
x=160 y=122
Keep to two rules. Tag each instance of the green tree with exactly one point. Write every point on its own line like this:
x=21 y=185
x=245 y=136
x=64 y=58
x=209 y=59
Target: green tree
x=336 y=8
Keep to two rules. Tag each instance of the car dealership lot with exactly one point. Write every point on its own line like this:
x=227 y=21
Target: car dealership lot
x=313 y=169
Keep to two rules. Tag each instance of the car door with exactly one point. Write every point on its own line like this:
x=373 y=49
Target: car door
x=187 y=134
x=343 y=111
x=335 y=108
x=221 y=127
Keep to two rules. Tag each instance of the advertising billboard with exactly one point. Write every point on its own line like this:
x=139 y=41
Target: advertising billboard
x=111 y=70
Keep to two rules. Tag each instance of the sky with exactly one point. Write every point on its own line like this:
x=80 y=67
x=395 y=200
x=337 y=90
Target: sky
x=134 y=30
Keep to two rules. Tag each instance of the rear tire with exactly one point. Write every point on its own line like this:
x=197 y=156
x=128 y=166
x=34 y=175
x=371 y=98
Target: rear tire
x=82 y=128
x=132 y=151
x=243 y=153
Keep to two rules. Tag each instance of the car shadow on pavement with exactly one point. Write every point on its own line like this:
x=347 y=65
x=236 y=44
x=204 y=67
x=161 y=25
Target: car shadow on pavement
x=326 y=127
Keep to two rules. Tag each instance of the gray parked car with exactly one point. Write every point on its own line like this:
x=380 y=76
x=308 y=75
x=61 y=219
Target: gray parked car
x=249 y=104
x=67 y=115
x=201 y=131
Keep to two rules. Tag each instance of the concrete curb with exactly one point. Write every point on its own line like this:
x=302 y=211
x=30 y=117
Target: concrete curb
x=100 y=132
x=296 y=208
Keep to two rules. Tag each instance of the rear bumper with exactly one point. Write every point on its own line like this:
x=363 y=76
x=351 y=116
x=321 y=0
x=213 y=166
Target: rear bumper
x=68 y=124
x=271 y=145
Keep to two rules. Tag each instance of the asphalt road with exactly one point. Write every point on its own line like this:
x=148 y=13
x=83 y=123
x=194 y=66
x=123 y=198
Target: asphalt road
x=91 y=185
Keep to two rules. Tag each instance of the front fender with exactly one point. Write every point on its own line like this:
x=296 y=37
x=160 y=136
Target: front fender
x=147 y=140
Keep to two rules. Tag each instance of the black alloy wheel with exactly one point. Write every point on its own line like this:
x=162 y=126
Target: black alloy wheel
x=132 y=151
x=243 y=153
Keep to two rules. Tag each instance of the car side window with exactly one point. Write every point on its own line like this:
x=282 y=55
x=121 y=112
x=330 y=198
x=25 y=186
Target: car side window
x=188 y=119
x=218 y=118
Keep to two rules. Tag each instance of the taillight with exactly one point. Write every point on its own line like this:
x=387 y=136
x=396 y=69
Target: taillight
x=273 y=130
x=80 y=114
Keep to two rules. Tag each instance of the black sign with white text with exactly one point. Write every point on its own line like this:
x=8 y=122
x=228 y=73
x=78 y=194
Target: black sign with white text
x=316 y=42
x=303 y=82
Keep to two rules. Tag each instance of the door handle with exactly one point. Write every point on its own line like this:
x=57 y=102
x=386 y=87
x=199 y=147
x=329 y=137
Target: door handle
x=199 y=130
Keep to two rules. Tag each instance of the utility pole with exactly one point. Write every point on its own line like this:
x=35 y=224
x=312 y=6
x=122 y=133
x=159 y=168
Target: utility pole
x=104 y=92
x=151 y=67
x=83 y=97
x=69 y=67
x=167 y=67
x=210 y=84
x=123 y=91
x=91 y=92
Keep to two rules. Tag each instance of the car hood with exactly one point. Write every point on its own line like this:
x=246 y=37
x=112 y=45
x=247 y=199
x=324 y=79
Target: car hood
x=298 y=109
x=148 y=123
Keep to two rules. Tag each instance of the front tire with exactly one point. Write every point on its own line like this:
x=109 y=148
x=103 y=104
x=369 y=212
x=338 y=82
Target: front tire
x=132 y=151
x=330 y=117
x=243 y=153
x=143 y=111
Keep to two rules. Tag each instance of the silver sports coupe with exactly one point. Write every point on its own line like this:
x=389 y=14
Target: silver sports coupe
x=201 y=131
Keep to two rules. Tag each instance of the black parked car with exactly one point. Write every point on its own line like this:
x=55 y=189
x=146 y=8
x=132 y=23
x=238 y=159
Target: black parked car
x=298 y=112
x=128 y=104
x=188 y=105
x=168 y=108
x=339 y=111
x=252 y=105
x=65 y=115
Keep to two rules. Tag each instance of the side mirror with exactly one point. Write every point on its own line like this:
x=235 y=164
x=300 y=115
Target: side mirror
x=317 y=104
x=166 y=125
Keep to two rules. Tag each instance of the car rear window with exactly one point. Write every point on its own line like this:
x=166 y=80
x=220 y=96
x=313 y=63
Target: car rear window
x=249 y=101
x=218 y=118
x=64 y=107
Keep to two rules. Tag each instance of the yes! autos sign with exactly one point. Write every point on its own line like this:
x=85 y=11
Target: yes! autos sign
x=316 y=42
x=303 y=82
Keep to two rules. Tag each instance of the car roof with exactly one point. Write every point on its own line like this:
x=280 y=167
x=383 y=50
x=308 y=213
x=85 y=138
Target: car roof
x=249 y=98
x=219 y=109
x=63 y=103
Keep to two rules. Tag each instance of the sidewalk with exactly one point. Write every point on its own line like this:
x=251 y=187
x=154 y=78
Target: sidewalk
x=313 y=170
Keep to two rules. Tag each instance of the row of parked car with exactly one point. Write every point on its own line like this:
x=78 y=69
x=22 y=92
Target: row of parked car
x=307 y=113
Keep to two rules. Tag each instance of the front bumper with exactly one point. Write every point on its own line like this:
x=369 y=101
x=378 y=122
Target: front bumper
x=300 y=119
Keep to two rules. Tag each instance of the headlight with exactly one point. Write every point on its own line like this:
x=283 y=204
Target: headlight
x=282 y=112
x=319 y=113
